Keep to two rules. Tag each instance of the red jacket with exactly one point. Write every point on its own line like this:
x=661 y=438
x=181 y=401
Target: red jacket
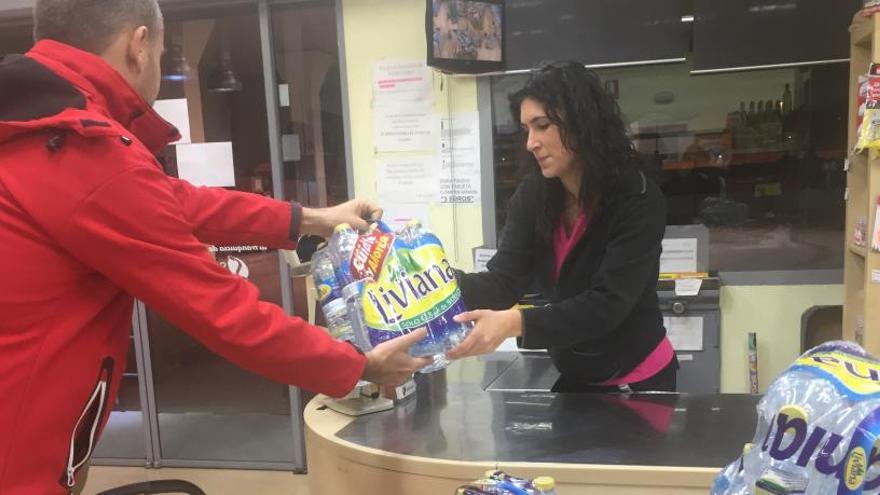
x=88 y=221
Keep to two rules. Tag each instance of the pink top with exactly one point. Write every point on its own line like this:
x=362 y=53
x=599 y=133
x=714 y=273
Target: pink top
x=563 y=242
x=653 y=364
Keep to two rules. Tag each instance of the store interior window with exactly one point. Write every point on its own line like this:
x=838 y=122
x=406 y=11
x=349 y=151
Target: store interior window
x=756 y=157
x=310 y=96
x=209 y=408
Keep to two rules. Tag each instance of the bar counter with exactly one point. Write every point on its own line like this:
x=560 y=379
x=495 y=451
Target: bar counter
x=496 y=412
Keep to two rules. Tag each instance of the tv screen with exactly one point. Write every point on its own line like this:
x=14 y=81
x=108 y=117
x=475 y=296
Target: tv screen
x=465 y=36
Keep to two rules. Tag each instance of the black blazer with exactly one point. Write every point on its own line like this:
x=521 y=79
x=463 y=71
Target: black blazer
x=603 y=316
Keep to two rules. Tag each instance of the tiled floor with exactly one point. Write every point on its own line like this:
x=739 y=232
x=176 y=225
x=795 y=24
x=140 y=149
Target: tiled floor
x=211 y=481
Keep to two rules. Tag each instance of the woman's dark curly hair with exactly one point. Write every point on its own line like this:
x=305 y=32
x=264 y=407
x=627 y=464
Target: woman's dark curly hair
x=590 y=125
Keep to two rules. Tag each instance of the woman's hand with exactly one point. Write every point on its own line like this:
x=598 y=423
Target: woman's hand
x=490 y=330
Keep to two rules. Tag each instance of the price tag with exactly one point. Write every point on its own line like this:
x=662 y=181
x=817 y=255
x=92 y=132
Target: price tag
x=688 y=286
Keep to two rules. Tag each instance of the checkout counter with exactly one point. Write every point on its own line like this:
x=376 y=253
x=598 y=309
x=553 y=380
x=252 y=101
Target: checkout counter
x=496 y=412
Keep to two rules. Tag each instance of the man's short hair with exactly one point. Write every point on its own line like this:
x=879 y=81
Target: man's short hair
x=92 y=25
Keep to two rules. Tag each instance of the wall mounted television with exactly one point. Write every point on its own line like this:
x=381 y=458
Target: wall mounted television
x=465 y=36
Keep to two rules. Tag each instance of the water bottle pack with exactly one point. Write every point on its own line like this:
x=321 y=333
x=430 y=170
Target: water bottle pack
x=392 y=284
x=501 y=483
x=817 y=431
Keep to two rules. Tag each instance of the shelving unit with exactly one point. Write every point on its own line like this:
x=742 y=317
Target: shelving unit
x=861 y=312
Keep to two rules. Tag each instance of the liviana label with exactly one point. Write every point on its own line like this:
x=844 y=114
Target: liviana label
x=416 y=287
x=851 y=375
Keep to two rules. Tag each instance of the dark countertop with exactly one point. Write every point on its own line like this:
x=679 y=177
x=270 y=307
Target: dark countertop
x=481 y=409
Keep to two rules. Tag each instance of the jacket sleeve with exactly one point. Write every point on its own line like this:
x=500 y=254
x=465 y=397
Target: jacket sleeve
x=133 y=231
x=510 y=271
x=628 y=265
x=222 y=217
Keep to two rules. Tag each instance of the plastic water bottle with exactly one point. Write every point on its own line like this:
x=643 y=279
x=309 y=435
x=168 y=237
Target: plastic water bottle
x=341 y=248
x=352 y=294
x=489 y=487
x=521 y=483
x=330 y=296
x=544 y=485
x=412 y=230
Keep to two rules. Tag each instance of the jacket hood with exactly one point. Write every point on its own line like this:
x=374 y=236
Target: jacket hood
x=61 y=88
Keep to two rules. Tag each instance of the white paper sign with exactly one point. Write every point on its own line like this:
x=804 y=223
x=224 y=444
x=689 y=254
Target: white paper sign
x=175 y=112
x=688 y=286
x=460 y=158
x=875 y=276
x=404 y=127
x=402 y=80
x=508 y=345
x=290 y=148
x=283 y=95
x=481 y=257
x=679 y=255
x=397 y=214
x=206 y=164
x=685 y=332
x=407 y=180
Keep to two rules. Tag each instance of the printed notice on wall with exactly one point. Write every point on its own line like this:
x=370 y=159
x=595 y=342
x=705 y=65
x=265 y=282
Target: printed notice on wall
x=176 y=112
x=396 y=215
x=404 y=127
x=206 y=164
x=407 y=180
x=679 y=256
x=684 y=332
x=481 y=257
x=395 y=81
x=460 y=158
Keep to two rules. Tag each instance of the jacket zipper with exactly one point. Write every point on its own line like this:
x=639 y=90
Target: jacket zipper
x=85 y=431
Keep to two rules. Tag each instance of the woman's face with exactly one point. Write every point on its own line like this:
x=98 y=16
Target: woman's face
x=545 y=142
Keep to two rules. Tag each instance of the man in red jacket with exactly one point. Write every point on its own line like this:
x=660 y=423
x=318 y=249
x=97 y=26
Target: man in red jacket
x=88 y=220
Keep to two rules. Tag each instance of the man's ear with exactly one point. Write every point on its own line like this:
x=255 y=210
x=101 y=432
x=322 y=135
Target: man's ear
x=138 y=52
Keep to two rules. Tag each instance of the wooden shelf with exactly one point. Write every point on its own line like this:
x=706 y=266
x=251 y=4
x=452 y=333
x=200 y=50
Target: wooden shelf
x=862 y=31
x=858 y=250
x=863 y=184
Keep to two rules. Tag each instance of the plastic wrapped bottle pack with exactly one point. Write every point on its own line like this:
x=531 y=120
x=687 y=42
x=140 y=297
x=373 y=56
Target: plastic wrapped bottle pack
x=396 y=283
x=817 y=429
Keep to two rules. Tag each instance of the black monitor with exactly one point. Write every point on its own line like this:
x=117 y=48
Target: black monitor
x=465 y=36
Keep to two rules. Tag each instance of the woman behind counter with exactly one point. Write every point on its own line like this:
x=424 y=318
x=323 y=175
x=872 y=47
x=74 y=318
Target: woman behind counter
x=585 y=230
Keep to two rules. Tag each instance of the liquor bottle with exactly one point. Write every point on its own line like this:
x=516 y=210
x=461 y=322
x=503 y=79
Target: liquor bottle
x=786 y=101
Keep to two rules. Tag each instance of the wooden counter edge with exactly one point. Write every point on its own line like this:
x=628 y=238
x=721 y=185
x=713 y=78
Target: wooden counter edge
x=322 y=425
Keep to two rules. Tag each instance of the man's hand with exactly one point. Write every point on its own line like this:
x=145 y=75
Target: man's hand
x=491 y=329
x=358 y=213
x=389 y=363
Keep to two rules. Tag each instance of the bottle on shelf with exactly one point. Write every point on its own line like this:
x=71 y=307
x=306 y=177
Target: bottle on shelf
x=786 y=101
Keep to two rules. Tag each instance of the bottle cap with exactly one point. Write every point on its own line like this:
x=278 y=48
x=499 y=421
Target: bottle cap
x=490 y=473
x=415 y=222
x=544 y=483
x=341 y=227
x=794 y=411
